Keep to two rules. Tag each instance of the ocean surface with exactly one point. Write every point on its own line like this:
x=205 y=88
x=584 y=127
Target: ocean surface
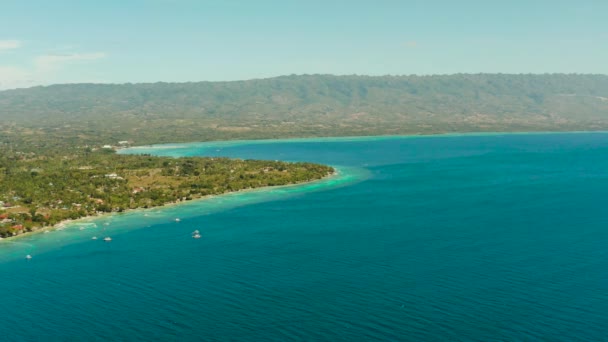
x=448 y=238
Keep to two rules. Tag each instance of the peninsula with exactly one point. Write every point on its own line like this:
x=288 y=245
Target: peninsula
x=41 y=189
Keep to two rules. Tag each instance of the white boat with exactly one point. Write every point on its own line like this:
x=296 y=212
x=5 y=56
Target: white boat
x=107 y=238
x=28 y=257
x=94 y=238
x=196 y=232
x=177 y=219
x=196 y=236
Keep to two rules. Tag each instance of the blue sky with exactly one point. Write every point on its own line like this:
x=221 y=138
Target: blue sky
x=47 y=42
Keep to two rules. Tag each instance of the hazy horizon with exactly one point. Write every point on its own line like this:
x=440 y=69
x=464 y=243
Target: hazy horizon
x=301 y=75
x=45 y=43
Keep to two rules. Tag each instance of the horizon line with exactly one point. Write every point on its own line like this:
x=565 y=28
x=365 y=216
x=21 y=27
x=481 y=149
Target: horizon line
x=306 y=75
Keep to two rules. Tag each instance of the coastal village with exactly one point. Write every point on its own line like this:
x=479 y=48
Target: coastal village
x=16 y=219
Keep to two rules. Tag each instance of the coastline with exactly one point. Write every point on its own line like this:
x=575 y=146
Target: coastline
x=87 y=219
x=232 y=143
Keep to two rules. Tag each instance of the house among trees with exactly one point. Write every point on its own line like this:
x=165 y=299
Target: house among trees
x=113 y=176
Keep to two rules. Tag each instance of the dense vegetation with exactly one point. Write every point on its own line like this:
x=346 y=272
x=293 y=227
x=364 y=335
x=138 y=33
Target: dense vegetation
x=38 y=191
x=313 y=105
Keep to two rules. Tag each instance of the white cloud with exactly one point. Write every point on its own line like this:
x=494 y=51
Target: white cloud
x=9 y=44
x=42 y=70
x=11 y=72
x=50 y=62
x=14 y=77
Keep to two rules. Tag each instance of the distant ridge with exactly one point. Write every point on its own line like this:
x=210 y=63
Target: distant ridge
x=309 y=105
x=362 y=76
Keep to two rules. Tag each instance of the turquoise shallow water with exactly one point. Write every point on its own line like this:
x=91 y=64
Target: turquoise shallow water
x=500 y=237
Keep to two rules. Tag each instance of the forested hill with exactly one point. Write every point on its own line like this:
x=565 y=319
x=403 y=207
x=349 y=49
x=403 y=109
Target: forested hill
x=311 y=105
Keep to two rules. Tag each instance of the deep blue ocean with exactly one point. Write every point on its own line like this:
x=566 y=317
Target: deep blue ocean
x=448 y=238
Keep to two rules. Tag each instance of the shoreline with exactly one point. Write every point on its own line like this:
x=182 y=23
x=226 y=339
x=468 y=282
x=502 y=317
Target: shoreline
x=85 y=219
x=232 y=143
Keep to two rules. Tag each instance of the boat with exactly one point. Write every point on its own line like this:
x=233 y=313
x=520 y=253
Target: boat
x=28 y=257
x=196 y=236
x=94 y=238
x=177 y=219
x=107 y=238
x=196 y=232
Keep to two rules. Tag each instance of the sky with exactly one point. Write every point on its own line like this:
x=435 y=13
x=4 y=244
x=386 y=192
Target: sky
x=120 y=41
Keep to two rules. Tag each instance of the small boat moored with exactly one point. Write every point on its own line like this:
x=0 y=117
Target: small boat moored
x=107 y=239
x=28 y=257
x=196 y=234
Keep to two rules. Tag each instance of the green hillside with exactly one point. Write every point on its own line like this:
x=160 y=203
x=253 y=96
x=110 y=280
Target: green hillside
x=309 y=105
